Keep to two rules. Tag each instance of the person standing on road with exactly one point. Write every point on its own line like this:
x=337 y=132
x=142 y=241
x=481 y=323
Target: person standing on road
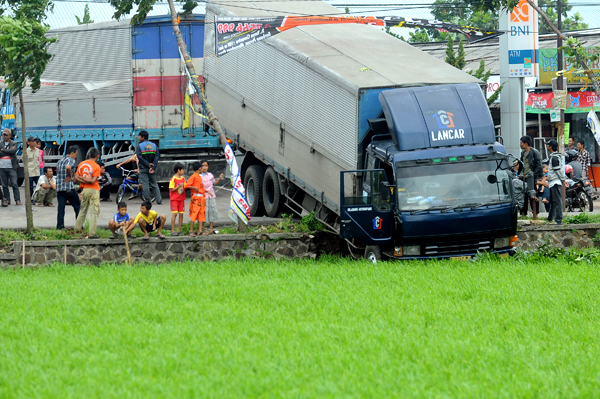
x=571 y=144
x=212 y=213
x=556 y=178
x=8 y=168
x=38 y=145
x=532 y=169
x=584 y=158
x=147 y=154
x=33 y=163
x=87 y=174
x=65 y=189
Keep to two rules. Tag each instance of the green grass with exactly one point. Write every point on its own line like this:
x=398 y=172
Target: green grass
x=296 y=329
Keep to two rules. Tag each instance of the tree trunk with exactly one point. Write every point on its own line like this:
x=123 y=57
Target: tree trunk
x=580 y=59
x=189 y=64
x=28 y=209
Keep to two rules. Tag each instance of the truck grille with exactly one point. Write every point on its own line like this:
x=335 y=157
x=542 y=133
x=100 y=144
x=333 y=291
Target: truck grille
x=459 y=247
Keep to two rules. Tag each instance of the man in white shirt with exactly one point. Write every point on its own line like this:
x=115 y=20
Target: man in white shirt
x=45 y=191
x=556 y=179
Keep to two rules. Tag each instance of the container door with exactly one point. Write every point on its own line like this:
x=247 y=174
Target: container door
x=367 y=206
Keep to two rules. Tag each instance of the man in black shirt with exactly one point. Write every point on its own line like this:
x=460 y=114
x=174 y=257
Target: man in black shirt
x=532 y=168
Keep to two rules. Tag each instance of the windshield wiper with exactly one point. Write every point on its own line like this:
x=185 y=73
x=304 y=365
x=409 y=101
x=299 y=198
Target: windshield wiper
x=492 y=202
x=433 y=208
x=471 y=205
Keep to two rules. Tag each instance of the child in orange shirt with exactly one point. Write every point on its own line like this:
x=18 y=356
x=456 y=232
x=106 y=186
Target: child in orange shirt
x=198 y=202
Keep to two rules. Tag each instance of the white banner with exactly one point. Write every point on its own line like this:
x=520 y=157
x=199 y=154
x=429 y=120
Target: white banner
x=238 y=207
x=89 y=86
x=594 y=125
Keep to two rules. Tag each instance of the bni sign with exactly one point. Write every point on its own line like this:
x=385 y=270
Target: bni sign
x=523 y=46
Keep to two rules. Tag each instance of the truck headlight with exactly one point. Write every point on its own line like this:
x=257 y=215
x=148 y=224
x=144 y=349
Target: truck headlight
x=503 y=242
x=411 y=250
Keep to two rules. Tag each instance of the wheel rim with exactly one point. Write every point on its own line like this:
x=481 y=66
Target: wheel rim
x=372 y=257
x=250 y=191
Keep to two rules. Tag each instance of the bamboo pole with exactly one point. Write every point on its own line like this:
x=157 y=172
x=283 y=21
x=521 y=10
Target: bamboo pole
x=127 y=245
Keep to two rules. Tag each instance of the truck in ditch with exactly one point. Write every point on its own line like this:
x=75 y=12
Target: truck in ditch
x=391 y=148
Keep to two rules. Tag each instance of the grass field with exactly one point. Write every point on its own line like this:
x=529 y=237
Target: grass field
x=297 y=329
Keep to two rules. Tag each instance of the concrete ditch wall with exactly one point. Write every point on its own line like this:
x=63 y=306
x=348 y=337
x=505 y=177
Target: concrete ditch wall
x=204 y=248
x=237 y=246
x=563 y=236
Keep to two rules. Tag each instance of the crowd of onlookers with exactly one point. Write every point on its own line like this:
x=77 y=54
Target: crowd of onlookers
x=542 y=180
x=85 y=185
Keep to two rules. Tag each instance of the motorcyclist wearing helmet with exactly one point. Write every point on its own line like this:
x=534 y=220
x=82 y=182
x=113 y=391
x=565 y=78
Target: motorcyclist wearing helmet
x=571 y=159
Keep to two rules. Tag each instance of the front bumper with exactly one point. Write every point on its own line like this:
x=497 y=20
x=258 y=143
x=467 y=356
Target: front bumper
x=503 y=253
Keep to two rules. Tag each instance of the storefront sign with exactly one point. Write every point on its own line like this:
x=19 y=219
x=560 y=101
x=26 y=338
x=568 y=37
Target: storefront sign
x=523 y=46
x=577 y=101
x=573 y=72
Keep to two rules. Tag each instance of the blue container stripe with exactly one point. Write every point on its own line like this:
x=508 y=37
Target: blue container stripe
x=147 y=37
x=168 y=139
x=81 y=127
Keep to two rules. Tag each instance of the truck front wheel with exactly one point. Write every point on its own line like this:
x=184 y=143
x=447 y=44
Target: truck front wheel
x=253 y=185
x=271 y=194
x=373 y=253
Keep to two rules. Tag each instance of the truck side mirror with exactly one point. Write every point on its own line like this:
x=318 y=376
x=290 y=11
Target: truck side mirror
x=492 y=179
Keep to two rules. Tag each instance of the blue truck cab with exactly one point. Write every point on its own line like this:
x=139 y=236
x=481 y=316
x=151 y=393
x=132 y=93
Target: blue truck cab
x=435 y=184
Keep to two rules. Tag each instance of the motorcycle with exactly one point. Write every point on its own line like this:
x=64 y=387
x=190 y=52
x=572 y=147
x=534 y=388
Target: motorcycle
x=578 y=195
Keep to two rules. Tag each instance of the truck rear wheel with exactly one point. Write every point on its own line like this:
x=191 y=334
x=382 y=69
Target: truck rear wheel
x=373 y=253
x=253 y=185
x=81 y=153
x=271 y=193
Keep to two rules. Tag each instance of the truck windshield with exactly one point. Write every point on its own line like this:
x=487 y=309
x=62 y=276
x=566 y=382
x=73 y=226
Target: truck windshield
x=445 y=186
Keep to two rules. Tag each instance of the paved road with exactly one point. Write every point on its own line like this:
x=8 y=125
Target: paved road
x=13 y=217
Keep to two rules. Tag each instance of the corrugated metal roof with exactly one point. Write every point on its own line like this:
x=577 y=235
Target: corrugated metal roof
x=489 y=49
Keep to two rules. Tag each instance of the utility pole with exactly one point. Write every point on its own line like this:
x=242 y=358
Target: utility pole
x=560 y=81
x=560 y=85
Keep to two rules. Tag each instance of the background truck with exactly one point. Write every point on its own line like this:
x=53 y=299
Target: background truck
x=107 y=81
x=340 y=120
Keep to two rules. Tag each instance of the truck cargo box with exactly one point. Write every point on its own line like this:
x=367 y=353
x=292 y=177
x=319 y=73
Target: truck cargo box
x=301 y=101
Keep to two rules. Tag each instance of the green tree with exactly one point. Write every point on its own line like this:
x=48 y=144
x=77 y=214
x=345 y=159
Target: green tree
x=23 y=58
x=456 y=59
x=461 y=13
x=568 y=23
x=86 y=16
